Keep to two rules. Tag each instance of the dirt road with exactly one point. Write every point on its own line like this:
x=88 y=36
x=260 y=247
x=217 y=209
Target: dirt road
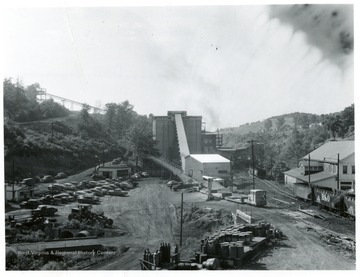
x=149 y=217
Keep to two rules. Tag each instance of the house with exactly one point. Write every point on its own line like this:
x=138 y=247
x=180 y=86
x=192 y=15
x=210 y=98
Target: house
x=331 y=165
x=114 y=171
x=18 y=193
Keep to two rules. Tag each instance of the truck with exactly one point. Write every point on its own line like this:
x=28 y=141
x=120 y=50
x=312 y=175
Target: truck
x=88 y=199
x=118 y=192
x=43 y=210
x=30 y=204
x=257 y=197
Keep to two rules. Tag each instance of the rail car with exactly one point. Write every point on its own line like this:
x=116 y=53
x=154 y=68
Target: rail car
x=331 y=199
x=349 y=204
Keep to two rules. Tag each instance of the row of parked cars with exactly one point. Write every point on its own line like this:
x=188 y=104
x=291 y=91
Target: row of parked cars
x=84 y=192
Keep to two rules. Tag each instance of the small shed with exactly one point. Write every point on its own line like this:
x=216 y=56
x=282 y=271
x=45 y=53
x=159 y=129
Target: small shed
x=113 y=171
x=18 y=193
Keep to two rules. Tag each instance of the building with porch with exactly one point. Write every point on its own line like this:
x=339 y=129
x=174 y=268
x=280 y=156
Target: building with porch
x=331 y=165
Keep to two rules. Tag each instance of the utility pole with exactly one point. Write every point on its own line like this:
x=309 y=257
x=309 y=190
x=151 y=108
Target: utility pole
x=181 y=217
x=338 y=171
x=103 y=158
x=96 y=157
x=309 y=169
x=13 y=180
x=52 y=131
x=253 y=161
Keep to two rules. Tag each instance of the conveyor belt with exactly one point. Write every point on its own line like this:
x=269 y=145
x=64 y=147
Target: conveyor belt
x=173 y=167
x=182 y=140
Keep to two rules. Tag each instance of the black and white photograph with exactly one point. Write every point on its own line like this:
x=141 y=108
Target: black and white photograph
x=178 y=136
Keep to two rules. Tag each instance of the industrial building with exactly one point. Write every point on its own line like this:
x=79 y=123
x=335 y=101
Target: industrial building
x=181 y=141
x=213 y=165
x=332 y=165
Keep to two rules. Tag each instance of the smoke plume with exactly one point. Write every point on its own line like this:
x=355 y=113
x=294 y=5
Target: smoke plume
x=327 y=27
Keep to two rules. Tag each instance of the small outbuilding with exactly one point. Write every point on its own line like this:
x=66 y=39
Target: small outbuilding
x=18 y=193
x=113 y=171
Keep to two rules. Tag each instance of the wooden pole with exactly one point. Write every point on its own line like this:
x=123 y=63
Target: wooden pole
x=181 y=217
x=338 y=171
x=253 y=162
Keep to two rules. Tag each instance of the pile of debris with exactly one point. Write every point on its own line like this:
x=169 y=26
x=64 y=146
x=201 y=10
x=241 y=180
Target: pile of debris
x=199 y=220
x=232 y=245
x=343 y=242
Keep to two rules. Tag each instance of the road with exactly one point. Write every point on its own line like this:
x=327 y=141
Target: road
x=149 y=217
x=153 y=219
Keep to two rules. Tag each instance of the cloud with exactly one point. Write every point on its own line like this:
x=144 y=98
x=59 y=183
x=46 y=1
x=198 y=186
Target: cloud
x=327 y=27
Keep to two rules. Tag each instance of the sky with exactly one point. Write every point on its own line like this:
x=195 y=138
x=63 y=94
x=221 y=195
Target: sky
x=229 y=64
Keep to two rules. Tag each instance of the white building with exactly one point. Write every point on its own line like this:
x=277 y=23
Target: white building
x=114 y=171
x=212 y=165
x=18 y=193
x=333 y=159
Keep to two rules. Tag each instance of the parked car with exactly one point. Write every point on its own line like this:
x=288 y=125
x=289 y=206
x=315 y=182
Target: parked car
x=64 y=197
x=47 y=179
x=136 y=176
x=69 y=186
x=116 y=161
x=49 y=200
x=88 y=199
x=60 y=175
x=97 y=177
x=118 y=192
x=30 y=204
x=171 y=183
x=28 y=182
x=97 y=191
x=145 y=174
x=56 y=188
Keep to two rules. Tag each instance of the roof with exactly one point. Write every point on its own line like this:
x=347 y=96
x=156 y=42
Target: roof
x=297 y=173
x=330 y=150
x=16 y=188
x=114 y=166
x=210 y=158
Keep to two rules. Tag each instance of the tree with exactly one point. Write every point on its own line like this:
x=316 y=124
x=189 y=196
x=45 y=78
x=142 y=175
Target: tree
x=268 y=124
x=333 y=124
x=280 y=122
x=119 y=117
x=347 y=120
x=304 y=121
x=88 y=125
x=140 y=139
x=15 y=100
x=21 y=104
x=294 y=148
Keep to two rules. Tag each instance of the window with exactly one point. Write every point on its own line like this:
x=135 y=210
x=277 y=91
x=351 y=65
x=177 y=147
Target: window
x=353 y=169
x=345 y=185
x=344 y=169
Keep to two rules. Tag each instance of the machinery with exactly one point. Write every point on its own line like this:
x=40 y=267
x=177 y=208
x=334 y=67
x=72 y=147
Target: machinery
x=84 y=214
